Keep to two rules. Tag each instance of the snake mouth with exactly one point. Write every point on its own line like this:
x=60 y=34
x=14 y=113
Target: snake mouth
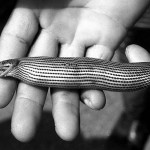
x=7 y=66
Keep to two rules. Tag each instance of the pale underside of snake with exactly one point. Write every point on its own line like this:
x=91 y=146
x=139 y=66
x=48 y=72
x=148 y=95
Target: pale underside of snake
x=77 y=73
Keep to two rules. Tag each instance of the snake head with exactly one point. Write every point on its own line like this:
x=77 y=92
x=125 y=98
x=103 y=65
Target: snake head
x=7 y=66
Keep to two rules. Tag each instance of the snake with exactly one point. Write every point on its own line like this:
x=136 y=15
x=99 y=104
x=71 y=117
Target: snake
x=77 y=73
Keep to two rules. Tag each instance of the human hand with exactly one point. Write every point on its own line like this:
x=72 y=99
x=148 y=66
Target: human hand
x=136 y=53
x=91 y=28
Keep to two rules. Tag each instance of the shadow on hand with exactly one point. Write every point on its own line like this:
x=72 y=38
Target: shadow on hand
x=47 y=139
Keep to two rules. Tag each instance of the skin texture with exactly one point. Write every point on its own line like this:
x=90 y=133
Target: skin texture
x=91 y=28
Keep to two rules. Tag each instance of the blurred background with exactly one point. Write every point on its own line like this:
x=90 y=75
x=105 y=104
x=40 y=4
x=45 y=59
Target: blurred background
x=122 y=125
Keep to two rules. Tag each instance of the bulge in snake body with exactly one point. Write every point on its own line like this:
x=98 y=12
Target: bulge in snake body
x=82 y=73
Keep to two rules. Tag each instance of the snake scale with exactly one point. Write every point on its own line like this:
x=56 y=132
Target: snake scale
x=76 y=72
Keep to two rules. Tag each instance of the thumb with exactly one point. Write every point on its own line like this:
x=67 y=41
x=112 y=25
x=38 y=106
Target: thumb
x=136 y=53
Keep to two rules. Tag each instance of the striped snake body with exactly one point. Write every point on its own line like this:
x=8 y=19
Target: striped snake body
x=74 y=72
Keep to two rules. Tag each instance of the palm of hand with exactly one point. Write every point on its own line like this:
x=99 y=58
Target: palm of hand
x=67 y=28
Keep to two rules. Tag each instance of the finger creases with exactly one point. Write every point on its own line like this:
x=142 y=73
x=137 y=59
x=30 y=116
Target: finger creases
x=66 y=113
x=25 y=119
x=18 y=34
x=15 y=39
x=27 y=111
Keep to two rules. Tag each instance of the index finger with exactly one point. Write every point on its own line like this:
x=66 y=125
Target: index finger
x=15 y=40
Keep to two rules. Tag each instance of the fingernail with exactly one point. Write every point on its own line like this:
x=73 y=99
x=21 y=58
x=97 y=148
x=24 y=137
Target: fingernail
x=88 y=103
